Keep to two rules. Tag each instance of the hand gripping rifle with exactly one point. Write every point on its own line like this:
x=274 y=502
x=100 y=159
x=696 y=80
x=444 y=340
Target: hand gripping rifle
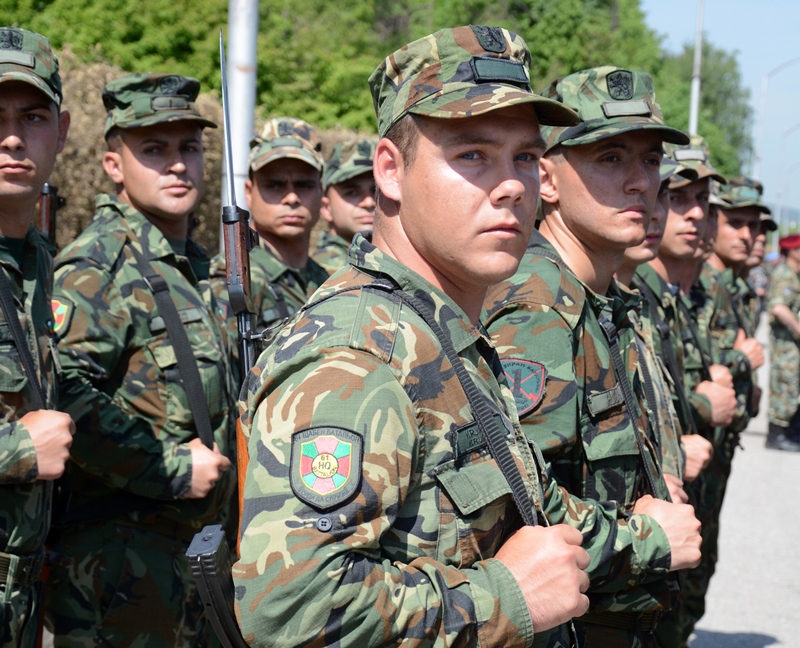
x=49 y=204
x=208 y=554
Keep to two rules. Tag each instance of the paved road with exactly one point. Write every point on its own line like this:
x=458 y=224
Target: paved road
x=754 y=600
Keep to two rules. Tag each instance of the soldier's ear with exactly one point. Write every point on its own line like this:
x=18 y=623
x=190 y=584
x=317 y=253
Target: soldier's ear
x=548 y=189
x=388 y=169
x=64 y=119
x=249 y=186
x=112 y=164
x=325 y=209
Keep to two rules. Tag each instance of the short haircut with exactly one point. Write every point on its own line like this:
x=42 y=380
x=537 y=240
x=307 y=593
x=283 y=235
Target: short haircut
x=405 y=135
x=114 y=139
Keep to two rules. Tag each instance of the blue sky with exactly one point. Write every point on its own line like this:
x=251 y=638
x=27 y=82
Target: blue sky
x=765 y=34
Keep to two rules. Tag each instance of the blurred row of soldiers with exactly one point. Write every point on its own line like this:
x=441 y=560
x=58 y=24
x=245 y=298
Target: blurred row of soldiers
x=412 y=475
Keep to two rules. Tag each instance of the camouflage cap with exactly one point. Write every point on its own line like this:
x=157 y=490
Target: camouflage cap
x=742 y=192
x=146 y=99
x=27 y=56
x=609 y=100
x=348 y=160
x=695 y=155
x=459 y=72
x=286 y=137
x=671 y=168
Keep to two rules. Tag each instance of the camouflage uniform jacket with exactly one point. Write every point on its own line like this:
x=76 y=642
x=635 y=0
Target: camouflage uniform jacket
x=654 y=374
x=545 y=325
x=784 y=289
x=723 y=326
x=668 y=311
x=278 y=290
x=331 y=252
x=24 y=500
x=402 y=546
x=120 y=376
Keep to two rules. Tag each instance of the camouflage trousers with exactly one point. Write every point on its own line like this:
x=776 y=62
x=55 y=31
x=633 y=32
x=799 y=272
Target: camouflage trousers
x=120 y=585
x=784 y=380
x=19 y=616
x=706 y=494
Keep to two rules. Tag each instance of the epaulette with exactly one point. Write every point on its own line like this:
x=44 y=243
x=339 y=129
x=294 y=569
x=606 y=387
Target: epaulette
x=102 y=241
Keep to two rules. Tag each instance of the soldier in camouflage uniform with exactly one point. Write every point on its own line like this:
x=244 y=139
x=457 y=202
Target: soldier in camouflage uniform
x=783 y=305
x=34 y=439
x=349 y=201
x=142 y=482
x=708 y=399
x=374 y=510
x=559 y=324
x=284 y=196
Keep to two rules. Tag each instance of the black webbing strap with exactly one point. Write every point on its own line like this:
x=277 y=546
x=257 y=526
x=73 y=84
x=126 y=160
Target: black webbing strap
x=649 y=390
x=695 y=336
x=627 y=392
x=280 y=299
x=669 y=356
x=10 y=313
x=187 y=363
x=494 y=436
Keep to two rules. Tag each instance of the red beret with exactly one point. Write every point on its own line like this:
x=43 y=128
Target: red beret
x=790 y=242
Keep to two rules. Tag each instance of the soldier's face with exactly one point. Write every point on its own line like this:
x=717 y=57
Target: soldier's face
x=160 y=169
x=284 y=198
x=350 y=206
x=32 y=133
x=647 y=250
x=737 y=230
x=686 y=223
x=466 y=205
x=606 y=192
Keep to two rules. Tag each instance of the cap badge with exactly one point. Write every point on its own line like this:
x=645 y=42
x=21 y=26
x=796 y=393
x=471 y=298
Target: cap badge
x=620 y=85
x=490 y=38
x=10 y=39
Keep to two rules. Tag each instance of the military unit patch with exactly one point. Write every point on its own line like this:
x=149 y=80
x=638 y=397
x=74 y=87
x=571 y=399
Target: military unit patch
x=169 y=85
x=490 y=38
x=62 y=313
x=10 y=39
x=620 y=84
x=325 y=465
x=527 y=382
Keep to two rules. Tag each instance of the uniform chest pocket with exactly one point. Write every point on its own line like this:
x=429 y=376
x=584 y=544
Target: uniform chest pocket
x=474 y=502
x=12 y=376
x=612 y=457
x=211 y=368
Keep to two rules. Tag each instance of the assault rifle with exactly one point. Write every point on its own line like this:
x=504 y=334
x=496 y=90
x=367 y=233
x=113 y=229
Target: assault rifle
x=49 y=204
x=208 y=554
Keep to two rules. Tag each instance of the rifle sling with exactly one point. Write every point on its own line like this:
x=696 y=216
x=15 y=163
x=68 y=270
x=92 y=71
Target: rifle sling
x=610 y=332
x=494 y=436
x=10 y=313
x=695 y=336
x=669 y=357
x=187 y=363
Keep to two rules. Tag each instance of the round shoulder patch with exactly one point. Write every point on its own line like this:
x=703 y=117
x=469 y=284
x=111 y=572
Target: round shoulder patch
x=62 y=314
x=527 y=382
x=325 y=465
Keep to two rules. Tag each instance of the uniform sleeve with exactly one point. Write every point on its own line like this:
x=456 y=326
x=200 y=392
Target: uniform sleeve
x=118 y=447
x=624 y=549
x=17 y=454
x=318 y=568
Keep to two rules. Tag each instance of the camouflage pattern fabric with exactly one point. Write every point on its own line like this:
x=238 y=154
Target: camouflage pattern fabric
x=131 y=462
x=285 y=137
x=742 y=191
x=278 y=290
x=27 y=56
x=544 y=323
x=146 y=99
x=459 y=72
x=395 y=539
x=696 y=156
x=609 y=101
x=330 y=252
x=24 y=501
x=348 y=160
x=784 y=377
x=666 y=425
